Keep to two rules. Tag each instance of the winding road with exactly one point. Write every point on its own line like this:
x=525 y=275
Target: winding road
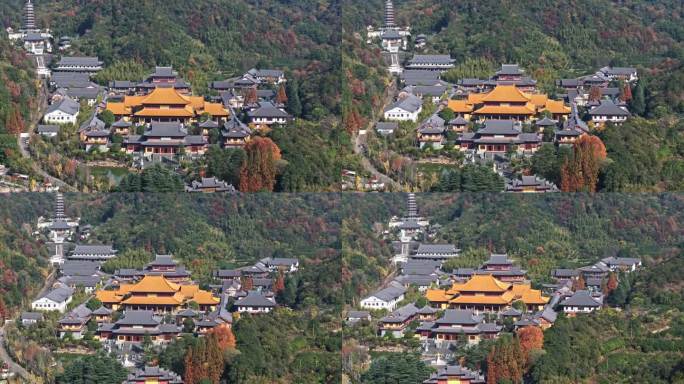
x=360 y=142
x=23 y=141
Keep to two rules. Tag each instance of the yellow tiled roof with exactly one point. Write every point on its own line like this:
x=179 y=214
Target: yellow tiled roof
x=557 y=107
x=108 y=296
x=506 y=110
x=176 y=299
x=436 y=295
x=475 y=98
x=155 y=284
x=528 y=295
x=481 y=283
x=215 y=109
x=538 y=99
x=460 y=106
x=162 y=95
x=172 y=112
x=506 y=93
x=503 y=299
x=118 y=108
x=205 y=298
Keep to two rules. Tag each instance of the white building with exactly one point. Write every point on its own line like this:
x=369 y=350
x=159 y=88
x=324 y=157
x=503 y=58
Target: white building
x=581 y=302
x=268 y=114
x=404 y=109
x=55 y=300
x=64 y=111
x=607 y=111
x=386 y=298
x=255 y=303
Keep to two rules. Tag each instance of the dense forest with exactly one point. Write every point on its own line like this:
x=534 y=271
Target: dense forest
x=550 y=40
x=213 y=40
x=18 y=98
x=538 y=232
x=642 y=341
x=204 y=232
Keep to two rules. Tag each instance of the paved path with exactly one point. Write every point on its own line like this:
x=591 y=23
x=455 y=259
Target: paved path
x=360 y=143
x=4 y=356
x=23 y=142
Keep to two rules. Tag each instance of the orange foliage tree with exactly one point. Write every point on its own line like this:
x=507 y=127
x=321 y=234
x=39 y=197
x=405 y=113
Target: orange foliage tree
x=580 y=172
x=612 y=283
x=505 y=361
x=279 y=283
x=530 y=338
x=281 y=97
x=204 y=361
x=258 y=172
x=224 y=336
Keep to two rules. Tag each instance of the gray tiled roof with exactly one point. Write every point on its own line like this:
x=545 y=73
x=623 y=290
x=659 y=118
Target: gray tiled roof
x=48 y=128
x=436 y=248
x=137 y=317
x=500 y=127
x=608 y=108
x=66 y=105
x=431 y=59
x=389 y=293
x=79 y=61
x=409 y=103
x=459 y=317
x=510 y=69
x=267 y=109
x=170 y=129
x=255 y=299
x=581 y=299
x=59 y=294
x=96 y=249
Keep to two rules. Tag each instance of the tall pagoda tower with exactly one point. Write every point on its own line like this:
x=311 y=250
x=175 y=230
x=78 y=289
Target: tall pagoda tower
x=389 y=14
x=29 y=21
x=411 y=206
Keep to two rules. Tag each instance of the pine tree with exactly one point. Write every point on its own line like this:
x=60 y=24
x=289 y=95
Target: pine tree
x=213 y=358
x=638 y=104
x=3 y=311
x=294 y=106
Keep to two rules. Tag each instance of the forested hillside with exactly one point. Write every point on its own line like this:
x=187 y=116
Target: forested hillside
x=18 y=92
x=539 y=232
x=296 y=343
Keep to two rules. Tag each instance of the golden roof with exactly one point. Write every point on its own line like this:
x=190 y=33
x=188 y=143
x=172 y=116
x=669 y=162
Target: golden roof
x=506 y=93
x=215 y=109
x=163 y=95
x=175 y=299
x=481 y=283
x=475 y=98
x=437 y=295
x=503 y=299
x=460 y=106
x=506 y=110
x=155 y=284
x=108 y=296
x=538 y=99
x=556 y=107
x=118 y=108
x=528 y=295
x=205 y=298
x=172 y=112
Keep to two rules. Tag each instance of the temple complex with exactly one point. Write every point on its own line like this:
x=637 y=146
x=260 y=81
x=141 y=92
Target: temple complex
x=165 y=104
x=156 y=293
x=485 y=293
